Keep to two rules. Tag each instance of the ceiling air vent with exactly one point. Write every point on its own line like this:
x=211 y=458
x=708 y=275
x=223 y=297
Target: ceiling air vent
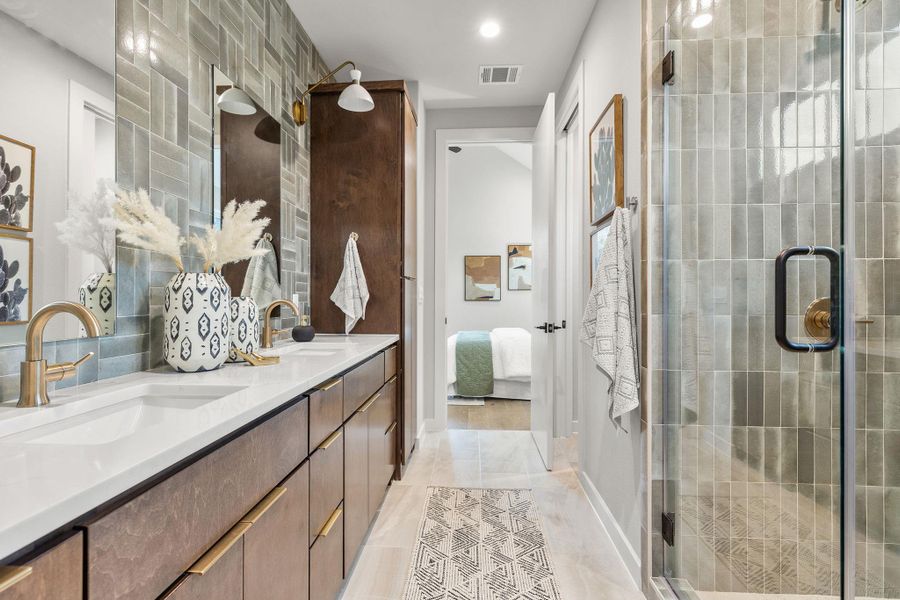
x=499 y=74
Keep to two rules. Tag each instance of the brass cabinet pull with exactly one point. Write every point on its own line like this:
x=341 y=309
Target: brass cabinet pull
x=11 y=575
x=219 y=549
x=369 y=402
x=391 y=380
x=264 y=505
x=391 y=427
x=330 y=439
x=329 y=384
x=326 y=528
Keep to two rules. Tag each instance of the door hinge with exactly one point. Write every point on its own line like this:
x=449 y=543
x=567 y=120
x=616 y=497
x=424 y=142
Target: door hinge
x=668 y=68
x=668 y=528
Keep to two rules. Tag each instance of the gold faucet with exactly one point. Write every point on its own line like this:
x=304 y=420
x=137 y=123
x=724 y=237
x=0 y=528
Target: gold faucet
x=268 y=332
x=35 y=373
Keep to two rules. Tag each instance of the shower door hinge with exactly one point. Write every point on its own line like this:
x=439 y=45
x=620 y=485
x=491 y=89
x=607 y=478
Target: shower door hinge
x=668 y=68
x=668 y=528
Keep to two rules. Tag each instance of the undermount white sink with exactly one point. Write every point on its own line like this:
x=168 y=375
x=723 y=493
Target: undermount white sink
x=111 y=417
x=303 y=349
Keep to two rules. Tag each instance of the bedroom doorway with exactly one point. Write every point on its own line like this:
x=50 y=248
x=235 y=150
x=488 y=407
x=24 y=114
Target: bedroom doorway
x=488 y=283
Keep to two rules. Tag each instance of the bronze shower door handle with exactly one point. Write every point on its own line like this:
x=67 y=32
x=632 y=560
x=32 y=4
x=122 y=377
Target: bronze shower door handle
x=823 y=315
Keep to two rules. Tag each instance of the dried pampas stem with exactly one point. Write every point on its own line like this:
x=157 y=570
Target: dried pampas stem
x=236 y=240
x=146 y=226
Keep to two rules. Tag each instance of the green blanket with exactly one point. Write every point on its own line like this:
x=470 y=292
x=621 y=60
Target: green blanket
x=474 y=365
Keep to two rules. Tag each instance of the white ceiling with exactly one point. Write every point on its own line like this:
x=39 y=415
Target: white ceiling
x=437 y=44
x=85 y=27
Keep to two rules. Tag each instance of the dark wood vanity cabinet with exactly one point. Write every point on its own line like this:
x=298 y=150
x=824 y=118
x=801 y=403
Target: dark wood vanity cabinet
x=223 y=581
x=56 y=573
x=363 y=180
x=356 y=485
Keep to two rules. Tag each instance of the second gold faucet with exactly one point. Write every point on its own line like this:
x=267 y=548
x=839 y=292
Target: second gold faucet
x=268 y=331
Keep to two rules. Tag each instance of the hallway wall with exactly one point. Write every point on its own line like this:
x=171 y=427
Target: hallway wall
x=612 y=457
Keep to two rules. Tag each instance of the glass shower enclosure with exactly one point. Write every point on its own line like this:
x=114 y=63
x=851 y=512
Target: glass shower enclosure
x=776 y=154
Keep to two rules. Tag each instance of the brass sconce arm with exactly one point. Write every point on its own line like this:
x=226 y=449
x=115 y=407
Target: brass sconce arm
x=299 y=110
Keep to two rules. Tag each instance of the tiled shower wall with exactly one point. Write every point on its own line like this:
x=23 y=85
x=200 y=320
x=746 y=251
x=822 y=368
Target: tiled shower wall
x=751 y=432
x=165 y=50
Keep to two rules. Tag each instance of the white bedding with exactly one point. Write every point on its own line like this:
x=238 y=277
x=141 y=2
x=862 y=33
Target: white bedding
x=510 y=354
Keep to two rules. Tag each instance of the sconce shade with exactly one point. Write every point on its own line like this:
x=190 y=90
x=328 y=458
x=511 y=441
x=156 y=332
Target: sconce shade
x=236 y=101
x=355 y=98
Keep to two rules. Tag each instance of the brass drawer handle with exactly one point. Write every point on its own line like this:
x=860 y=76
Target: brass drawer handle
x=330 y=439
x=329 y=384
x=264 y=505
x=370 y=402
x=391 y=428
x=11 y=575
x=391 y=380
x=219 y=549
x=326 y=528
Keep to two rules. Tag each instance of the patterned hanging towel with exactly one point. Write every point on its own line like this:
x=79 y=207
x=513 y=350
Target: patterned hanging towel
x=351 y=294
x=608 y=327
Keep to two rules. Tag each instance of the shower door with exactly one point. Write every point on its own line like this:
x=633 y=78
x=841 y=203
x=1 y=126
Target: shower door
x=779 y=136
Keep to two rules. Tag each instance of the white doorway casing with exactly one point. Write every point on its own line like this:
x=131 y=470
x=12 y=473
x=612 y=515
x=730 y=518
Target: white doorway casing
x=443 y=139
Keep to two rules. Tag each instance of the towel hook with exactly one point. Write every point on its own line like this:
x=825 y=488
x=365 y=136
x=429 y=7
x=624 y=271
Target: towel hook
x=632 y=203
x=354 y=236
x=267 y=236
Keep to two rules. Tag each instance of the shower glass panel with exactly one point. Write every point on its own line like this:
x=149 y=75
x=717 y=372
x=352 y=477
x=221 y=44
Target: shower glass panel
x=747 y=161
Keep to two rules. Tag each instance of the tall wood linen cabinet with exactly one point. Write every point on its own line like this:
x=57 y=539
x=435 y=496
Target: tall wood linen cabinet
x=363 y=180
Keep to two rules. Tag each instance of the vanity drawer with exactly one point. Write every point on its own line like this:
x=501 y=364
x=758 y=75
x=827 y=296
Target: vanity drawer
x=326 y=411
x=326 y=481
x=140 y=548
x=223 y=581
x=390 y=362
x=56 y=573
x=326 y=563
x=362 y=382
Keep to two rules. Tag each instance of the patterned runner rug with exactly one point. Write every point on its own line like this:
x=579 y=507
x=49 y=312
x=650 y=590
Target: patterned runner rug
x=481 y=544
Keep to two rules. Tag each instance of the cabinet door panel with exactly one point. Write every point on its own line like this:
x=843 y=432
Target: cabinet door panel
x=276 y=548
x=326 y=482
x=379 y=420
x=362 y=382
x=326 y=562
x=356 y=485
x=56 y=573
x=224 y=581
x=326 y=410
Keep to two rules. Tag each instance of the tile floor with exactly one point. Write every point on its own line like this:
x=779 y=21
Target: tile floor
x=586 y=562
x=493 y=414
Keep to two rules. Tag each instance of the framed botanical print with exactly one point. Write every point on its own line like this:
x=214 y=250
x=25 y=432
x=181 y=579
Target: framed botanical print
x=518 y=267
x=16 y=184
x=15 y=279
x=598 y=241
x=607 y=162
x=482 y=278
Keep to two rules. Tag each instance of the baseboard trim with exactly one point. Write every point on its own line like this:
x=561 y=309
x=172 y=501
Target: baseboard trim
x=431 y=425
x=623 y=548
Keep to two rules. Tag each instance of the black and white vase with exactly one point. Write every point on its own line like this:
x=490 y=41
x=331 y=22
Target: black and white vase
x=244 y=327
x=98 y=295
x=197 y=322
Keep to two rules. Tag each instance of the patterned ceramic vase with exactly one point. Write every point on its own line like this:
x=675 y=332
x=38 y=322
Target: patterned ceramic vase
x=198 y=326
x=244 y=327
x=98 y=295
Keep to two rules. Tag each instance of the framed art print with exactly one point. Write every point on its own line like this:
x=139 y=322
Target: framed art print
x=607 y=162
x=482 y=278
x=598 y=241
x=15 y=279
x=16 y=184
x=518 y=267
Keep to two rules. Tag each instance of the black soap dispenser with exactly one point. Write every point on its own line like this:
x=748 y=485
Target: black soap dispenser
x=304 y=332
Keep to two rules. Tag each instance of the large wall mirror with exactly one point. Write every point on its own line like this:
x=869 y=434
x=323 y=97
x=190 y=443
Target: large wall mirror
x=57 y=162
x=247 y=166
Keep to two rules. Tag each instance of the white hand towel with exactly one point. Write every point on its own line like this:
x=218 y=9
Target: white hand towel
x=261 y=280
x=351 y=294
x=608 y=326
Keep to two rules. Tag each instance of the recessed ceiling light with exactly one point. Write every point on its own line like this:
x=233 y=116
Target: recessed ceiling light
x=701 y=21
x=489 y=29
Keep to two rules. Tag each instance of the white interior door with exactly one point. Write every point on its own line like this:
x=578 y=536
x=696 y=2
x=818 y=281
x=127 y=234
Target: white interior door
x=542 y=310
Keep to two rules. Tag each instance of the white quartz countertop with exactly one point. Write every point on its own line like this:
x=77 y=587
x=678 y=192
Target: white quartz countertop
x=45 y=486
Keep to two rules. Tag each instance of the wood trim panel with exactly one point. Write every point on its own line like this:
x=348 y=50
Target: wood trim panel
x=326 y=411
x=140 y=548
x=390 y=362
x=57 y=573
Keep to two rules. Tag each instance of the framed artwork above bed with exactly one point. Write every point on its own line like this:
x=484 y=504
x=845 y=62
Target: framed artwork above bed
x=518 y=267
x=482 y=277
